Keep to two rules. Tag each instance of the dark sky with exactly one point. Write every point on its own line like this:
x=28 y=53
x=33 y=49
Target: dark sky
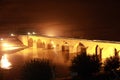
x=92 y=19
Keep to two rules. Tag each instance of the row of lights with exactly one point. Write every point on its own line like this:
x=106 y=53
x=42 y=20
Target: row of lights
x=1 y=39
x=33 y=33
x=29 y=33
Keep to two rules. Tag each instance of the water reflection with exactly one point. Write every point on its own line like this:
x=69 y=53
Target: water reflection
x=4 y=63
x=53 y=55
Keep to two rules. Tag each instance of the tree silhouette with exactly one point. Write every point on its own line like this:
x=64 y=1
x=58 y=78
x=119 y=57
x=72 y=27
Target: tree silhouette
x=111 y=63
x=85 y=65
x=110 y=68
x=1 y=74
x=37 y=69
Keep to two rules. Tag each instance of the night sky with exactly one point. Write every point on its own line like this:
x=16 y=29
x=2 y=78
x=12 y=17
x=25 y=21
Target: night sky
x=92 y=19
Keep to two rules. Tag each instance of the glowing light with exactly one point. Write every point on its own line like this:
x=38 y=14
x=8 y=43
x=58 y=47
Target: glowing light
x=5 y=64
x=50 y=33
x=54 y=46
x=12 y=34
x=52 y=42
x=1 y=39
x=28 y=33
x=6 y=45
x=33 y=33
x=10 y=48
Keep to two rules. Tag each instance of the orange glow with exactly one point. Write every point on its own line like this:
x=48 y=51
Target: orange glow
x=51 y=35
x=54 y=46
x=5 y=64
x=51 y=32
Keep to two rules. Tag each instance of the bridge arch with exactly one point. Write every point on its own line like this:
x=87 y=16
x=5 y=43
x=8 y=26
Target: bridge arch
x=65 y=46
x=51 y=45
x=43 y=44
x=57 y=46
x=39 y=44
x=65 y=51
x=30 y=42
x=80 y=47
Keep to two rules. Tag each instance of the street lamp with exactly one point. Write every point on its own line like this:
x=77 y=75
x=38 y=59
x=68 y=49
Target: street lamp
x=33 y=33
x=12 y=34
x=28 y=33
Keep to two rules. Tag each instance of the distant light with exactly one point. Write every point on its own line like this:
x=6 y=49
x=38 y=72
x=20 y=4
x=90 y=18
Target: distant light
x=12 y=34
x=1 y=39
x=118 y=68
x=33 y=33
x=28 y=33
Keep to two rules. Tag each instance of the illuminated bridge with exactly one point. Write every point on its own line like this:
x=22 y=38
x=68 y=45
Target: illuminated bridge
x=73 y=46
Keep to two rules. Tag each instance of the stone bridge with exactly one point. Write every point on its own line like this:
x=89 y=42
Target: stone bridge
x=103 y=48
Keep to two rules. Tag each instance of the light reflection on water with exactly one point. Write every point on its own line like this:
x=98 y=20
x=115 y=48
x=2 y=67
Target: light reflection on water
x=20 y=57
